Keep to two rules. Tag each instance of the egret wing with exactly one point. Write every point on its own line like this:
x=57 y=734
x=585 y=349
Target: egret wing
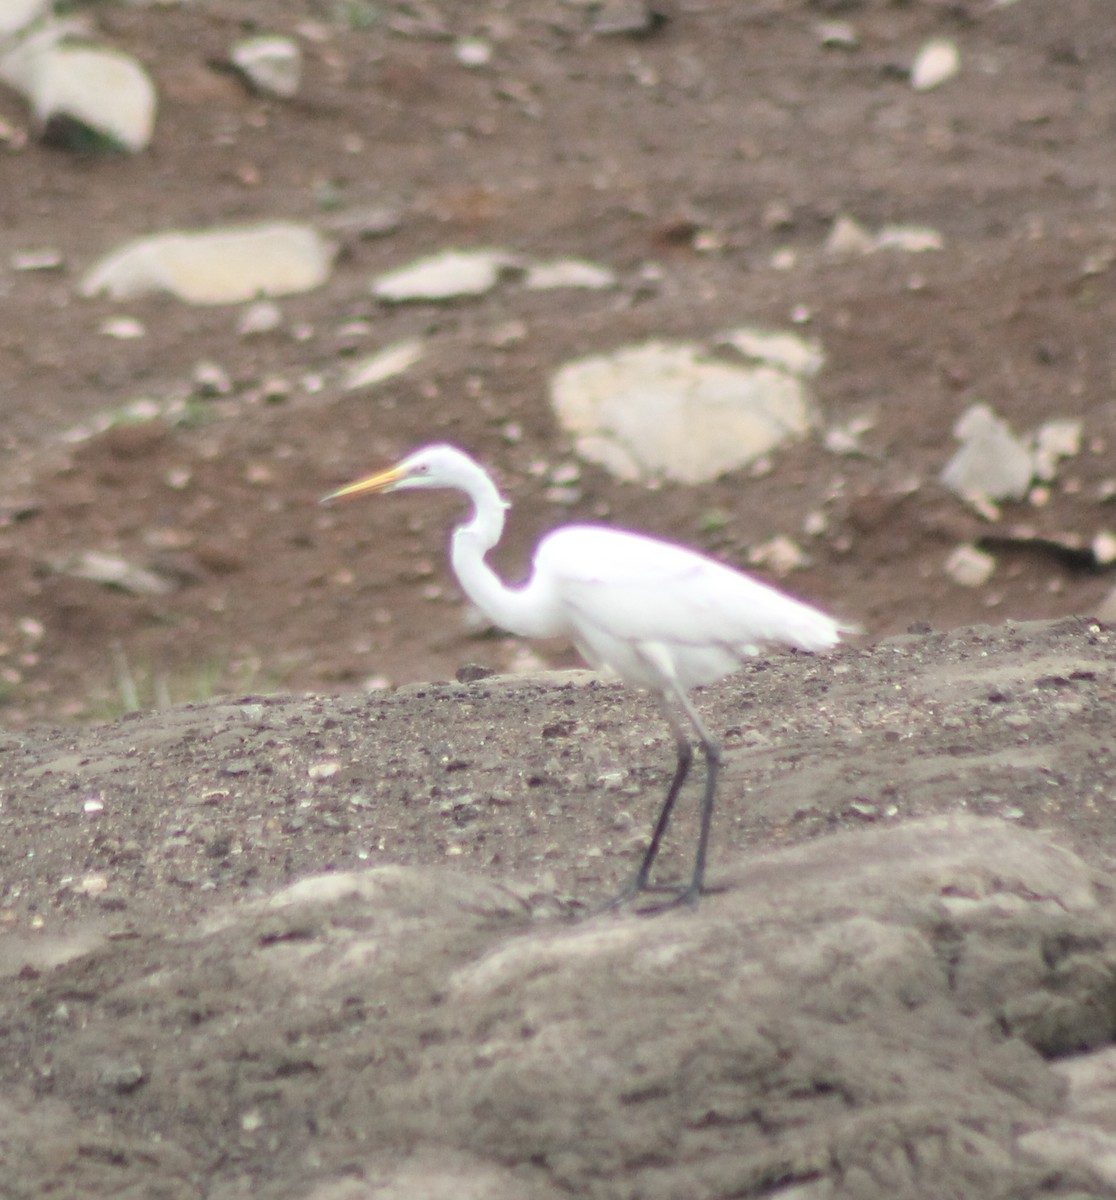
x=641 y=590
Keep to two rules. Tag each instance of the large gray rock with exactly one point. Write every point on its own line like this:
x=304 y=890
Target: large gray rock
x=215 y=266
x=991 y=463
x=866 y=1015
x=105 y=90
x=670 y=410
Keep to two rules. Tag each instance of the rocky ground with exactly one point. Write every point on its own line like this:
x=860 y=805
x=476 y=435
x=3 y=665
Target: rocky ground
x=170 y=1026
x=349 y=947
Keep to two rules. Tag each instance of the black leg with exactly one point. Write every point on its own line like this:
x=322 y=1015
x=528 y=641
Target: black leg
x=712 y=752
x=685 y=758
x=712 y=769
x=642 y=880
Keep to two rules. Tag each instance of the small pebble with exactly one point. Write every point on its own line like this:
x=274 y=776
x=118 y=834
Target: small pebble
x=473 y=52
x=969 y=566
x=47 y=259
x=937 y=61
x=261 y=317
x=211 y=379
x=124 y=329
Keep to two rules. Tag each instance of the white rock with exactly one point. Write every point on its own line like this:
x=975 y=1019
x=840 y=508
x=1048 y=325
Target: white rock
x=913 y=239
x=788 y=351
x=1055 y=440
x=392 y=360
x=18 y=14
x=444 y=276
x=779 y=555
x=211 y=379
x=937 y=61
x=568 y=273
x=105 y=90
x=992 y=462
x=32 y=629
x=846 y=439
x=270 y=63
x=666 y=410
x=815 y=523
x=124 y=329
x=1104 y=547
x=259 y=318
x=215 y=266
x=784 y=259
x=969 y=566
x=46 y=259
x=472 y=52
x=848 y=237
x=840 y=34
x=114 y=571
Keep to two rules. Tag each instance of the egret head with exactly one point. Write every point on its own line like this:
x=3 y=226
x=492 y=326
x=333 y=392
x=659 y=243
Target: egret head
x=430 y=467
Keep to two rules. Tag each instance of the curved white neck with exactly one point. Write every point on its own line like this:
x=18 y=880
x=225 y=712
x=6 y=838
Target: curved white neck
x=510 y=608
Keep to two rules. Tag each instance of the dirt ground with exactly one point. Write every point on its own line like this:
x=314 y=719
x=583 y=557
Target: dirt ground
x=732 y=127
x=688 y=158
x=350 y=947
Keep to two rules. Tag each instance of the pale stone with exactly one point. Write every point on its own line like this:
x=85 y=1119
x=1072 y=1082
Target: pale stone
x=444 y=276
x=1104 y=547
x=259 y=318
x=1055 y=440
x=46 y=259
x=846 y=439
x=969 y=566
x=392 y=360
x=270 y=63
x=18 y=14
x=114 y=571
x=779 y=555
x=992 y=462
x=103 y=89
x=666 y=410
x=568 y=273
x=913 y=239
x=937 y=61
x=472 y=52
x=124 y=329
x=788 y=351
x=215 y=266
x=839 y=34
x=848 y=237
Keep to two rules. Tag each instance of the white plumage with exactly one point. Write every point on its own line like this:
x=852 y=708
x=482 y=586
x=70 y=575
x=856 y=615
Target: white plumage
x=660 y=616
x=702 y=617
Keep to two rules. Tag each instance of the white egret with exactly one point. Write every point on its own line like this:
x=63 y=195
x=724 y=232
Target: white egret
x=660 y=616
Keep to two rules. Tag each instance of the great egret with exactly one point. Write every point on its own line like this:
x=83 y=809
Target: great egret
x=660 y=616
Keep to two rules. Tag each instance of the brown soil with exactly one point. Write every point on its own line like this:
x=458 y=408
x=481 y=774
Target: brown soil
x=866 y=1004
x=701 y=149
x=730 y=125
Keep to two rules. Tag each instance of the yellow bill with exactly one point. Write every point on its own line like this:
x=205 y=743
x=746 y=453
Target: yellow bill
x=382 y=481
